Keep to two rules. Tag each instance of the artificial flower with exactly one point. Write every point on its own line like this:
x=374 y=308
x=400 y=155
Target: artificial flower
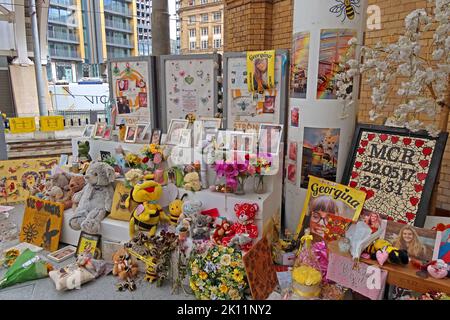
x=225 y=260
x=223 y=288
x=203 y=275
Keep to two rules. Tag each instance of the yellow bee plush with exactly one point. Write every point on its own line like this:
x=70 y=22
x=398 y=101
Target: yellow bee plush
x=148 y=213
x=395 y=255
x=175 y=210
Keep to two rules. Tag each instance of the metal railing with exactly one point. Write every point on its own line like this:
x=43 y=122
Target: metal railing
x=118 y=8
x=62 y=36
x=64 y=19
x=67 y=3
x=63 y=53
x=118 y=25
x=118 y=40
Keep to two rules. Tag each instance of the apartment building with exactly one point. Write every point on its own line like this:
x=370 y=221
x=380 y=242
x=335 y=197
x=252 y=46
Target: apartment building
x=144 y=22
x=201 y=26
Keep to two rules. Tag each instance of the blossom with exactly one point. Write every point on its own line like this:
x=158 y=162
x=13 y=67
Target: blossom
x=194 y=270
x=223 y=288
x=238 y=275
x=158 y=158
x=234 y=294
x=225 y=260
x=203 y=275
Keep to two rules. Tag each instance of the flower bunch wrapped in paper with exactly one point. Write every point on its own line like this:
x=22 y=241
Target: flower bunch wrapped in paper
x=218 y=274
x=28 y=266
x=153 y=156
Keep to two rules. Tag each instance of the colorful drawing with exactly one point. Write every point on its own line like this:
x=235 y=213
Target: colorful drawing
x=320 y=154
x=299 y=64
x=260 y=70
x=334 y=49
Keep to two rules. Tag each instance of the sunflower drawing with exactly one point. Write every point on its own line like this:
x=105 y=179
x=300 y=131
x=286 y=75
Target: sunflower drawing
x=30 y=231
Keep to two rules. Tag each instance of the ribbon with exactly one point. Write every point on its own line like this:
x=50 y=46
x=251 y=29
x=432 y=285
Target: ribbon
x=320 y=251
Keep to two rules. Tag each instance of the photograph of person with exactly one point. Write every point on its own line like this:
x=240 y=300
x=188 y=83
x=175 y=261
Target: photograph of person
x=123 y=105
x=294 y=117
x=143 y=100
x=372 y=219
x=269 y=104
x=292 y=173
x=131 y=134
x=107 y=133
x=99 y=130
x=156 y=136
x=319 y=209
x=122 y=84
x=140 y=84
x=293 y=151
x=260 y=74
x=175 y=127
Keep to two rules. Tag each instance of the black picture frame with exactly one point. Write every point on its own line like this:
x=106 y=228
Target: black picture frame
x=104 y=155
x=91 y=237
x=434 y=165
x=156 y=131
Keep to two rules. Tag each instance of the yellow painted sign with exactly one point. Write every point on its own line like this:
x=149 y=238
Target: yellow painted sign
x=22 y=124
x=42 y=223
x=52 y=123
x=260 y=70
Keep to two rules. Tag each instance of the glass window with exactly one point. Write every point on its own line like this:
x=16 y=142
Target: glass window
x=203 y=1
x=192 y=33
x=217 y=29
x=217 y=15
x=204 y=44
x=191 y=19
x=205 y=17
x=204 y=31
x=217 y=43
x=192 y=45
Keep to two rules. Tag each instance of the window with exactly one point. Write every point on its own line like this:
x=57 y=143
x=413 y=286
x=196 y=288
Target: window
x=203 y=1
x=192 y=33
x=191 y=19
x=217 y=43
x=217 y=15
x=191 y=2
x=204 y=44
x=204 y=31
x=217 y=29
x=205 y=17
x=192 y=45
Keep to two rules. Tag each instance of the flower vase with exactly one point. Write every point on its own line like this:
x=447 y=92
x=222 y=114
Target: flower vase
x=259 y=185
x=240 y=188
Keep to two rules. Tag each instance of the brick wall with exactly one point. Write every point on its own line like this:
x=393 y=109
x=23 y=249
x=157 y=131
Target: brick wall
x=267 y=24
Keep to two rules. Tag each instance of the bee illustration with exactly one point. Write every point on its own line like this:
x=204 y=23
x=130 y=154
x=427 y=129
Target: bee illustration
x=47 y=164
x=346 y=7
x=48 y=235
x=243 y=105
x=13 y=170
x=121 y=204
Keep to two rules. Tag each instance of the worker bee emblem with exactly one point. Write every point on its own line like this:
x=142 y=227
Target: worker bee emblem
x=346 y=8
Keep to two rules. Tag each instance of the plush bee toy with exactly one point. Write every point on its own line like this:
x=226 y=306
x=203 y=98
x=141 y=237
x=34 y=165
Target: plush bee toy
x=175 y=210
x=395 y=255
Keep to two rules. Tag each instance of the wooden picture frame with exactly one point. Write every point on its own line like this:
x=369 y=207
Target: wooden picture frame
x=399 y=184
x=89 y=243
x=97 y=134
x=128 y=138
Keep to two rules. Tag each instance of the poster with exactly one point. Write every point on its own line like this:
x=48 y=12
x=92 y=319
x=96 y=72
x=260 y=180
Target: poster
x=51 y=123
x=238 y=74
x=299 y=64
x=334 y=50
x=130 y=83
x=18 y=177
x=320 y=154
x=189 y=100
x=42 y=222
x=329 y=208
x=22 y=124
x=260 y=70
x=394 y=168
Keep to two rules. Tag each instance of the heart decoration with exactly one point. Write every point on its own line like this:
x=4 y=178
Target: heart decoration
x=364 y=143
x=361 y=150
x=414 y=201
x=419 y=143
x=371 y=136
x=395 y=139
x=410 y=216
x=427 y=151
x=353 y=184
x=418 y=187
x=39 y=205
x=370 y=194
x=424 y=163
x=355 y=175
x=189 y=80
x=200 y=74
x=421 y=176
x=204 y=100
x=407 y=141
x=182 y=73
x=382 y=257
x=358 y=164
x=383 y=137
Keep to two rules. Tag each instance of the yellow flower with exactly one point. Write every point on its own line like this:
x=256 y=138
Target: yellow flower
x=237 y=275
x=230 y=250
x=203 y=275
x=225 y=260
x=223 y=288
x=234 y=294
x=234 y=264
x=194 y=270
x=193 y=286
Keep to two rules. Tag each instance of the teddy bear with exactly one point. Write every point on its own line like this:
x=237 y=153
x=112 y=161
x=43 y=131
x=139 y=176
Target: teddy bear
x=126 y=268
x=244 y=230
x=201 y=226
x=76 y=184
x=61 y=179
x=190 y=207
x=222 y=230
x=55 y=194
x=192 y=182
x=95 y=200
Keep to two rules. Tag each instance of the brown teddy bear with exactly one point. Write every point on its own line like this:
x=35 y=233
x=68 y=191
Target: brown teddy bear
x=125 y=266
x=76 y=184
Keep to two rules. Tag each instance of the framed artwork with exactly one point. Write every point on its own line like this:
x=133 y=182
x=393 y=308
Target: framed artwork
x=156 y=136
x=89 y=130
x=185 y=138
x=211 y=122
x=299 y=64
x=293 y=150
x=107 y=133
x=131 y=134
x=174 y=132
x=104 y=155
x=397 y=170
x=270 y=136
x=99 y=130
x=89 y=244
x=62 y=254
x=295 y=115
x=142 y=131
x=119 y=211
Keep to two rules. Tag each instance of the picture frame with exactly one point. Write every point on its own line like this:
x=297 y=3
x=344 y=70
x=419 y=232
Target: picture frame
x=211 y=122
x=186 y=139
x=131 y=134
x=105 y=155
x=62 y=254
x=174 y=132
x=156 y=136
x=89 y=243
x=397 y=169
x=142 y=129
x=266 y=142
x=88 y=131
x=107 y=133
x=99 y=130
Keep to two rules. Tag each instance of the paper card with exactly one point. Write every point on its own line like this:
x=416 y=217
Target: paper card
x=370 y=281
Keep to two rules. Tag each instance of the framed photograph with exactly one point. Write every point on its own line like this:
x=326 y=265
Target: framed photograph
x=107 y=133
x=63 y=254
x=105 y=155
x=143 y=100
x=211 y=122
x=270 y=136
x=131 y=134
x=185 y=140
x=396 y=168
x=174 y=132
x=293 y=150
x=142 y=131
x=88 y=243
x=123 y=105
x=89 y=130
x=99 y=130
x=122 y=84
x=156 y=136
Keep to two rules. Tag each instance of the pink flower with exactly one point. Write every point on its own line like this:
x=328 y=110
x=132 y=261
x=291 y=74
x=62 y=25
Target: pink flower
x=157 y=158
x=251 y=170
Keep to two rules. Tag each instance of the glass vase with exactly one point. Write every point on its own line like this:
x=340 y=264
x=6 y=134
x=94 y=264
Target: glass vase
x=240 y=188
x=259 y=185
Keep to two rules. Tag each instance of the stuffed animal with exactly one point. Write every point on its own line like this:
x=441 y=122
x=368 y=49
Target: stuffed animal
x=148 y=214
x=222 y=230
x=126 y=268
x=60 y=179
x=395 y=255
x=192 y=182
x=95 y=200
x=190 y=207
x=76 y=184
x=244 y=230
x=83 y=151
x=175 y=210
x=201 y=226
x=55 y=194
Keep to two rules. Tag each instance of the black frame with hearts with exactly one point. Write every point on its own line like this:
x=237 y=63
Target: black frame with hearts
x=434 y=165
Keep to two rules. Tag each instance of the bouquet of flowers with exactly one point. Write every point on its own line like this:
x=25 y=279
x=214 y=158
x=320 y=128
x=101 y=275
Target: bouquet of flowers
x=234 y=173
x=262 y=164
x=133 y=161
x=153 y=156
x=218 y=274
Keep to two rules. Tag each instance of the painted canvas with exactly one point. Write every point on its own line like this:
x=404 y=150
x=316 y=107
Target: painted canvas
x=299 y=65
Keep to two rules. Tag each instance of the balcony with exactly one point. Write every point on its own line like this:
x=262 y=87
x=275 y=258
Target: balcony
x=63 y=3
x=62 y=20
x=119 y=9
x=118 y=25
x=117 y=41
x=62 y=36
x=64 y=54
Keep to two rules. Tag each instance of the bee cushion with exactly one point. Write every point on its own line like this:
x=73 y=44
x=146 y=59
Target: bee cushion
x=118 y=210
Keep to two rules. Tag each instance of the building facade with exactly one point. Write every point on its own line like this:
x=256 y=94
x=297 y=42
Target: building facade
x=201 y=26
x=144 y=23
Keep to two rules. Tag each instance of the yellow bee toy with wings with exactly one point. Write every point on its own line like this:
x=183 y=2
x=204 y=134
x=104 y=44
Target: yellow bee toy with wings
x=175 y=210
x=147 y=215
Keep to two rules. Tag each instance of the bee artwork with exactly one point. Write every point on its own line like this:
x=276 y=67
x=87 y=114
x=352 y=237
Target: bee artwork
x=119 y=210
x=346 y=8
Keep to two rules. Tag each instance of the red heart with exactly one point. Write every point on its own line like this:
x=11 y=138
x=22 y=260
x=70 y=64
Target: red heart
x=424 y=163
x=394 y=139
x=427 y=151
x=358 y=164
x=369 y=194
x=39 y=205
x=364 y=143
x=361 y=150
x=383 y=137
x=421 y=176
x=355 y=174
x=410 y=216
x=370 y=136
x=418 y=187
x=407 y=141
x=353 y=184
x=401 y=221
x=419 y=143
x=414 y=201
